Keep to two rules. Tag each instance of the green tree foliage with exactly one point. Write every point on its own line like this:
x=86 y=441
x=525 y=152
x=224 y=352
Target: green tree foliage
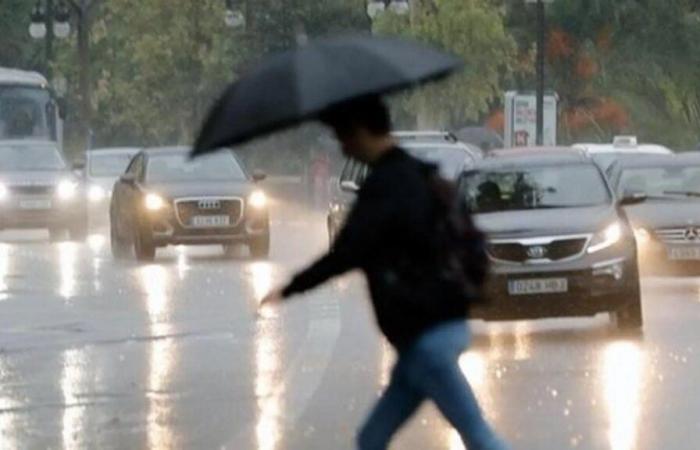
x=471 y=29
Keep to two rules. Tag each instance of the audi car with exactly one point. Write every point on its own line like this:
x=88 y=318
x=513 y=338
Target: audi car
x=103 y=167
x=667 y=223
x=164 y=198
x=558 y=239
x=39 y=190
x=451 y=157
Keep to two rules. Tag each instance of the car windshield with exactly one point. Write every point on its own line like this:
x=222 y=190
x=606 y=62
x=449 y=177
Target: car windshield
x=26 y=113
x=169 y=167
x=109 y=164
x=30 y=157
x=450 y=160
x=662 y=181
x=535 y=188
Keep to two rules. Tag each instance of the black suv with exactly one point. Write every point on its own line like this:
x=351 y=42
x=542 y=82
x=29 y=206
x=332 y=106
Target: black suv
x=559 y=241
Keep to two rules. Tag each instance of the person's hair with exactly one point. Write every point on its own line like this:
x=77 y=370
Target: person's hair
x=367 y=112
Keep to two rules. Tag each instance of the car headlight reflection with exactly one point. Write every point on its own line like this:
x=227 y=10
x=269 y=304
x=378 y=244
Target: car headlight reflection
x=154 y=202
x=642 y=235
x=66 y=189
x=96 y=194
x=610 y=236
x=257 y=200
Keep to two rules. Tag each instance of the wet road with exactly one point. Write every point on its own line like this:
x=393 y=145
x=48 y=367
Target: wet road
x=100 y=354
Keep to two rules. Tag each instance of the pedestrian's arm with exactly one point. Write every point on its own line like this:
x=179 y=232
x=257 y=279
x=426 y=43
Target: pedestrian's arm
x=363 y=231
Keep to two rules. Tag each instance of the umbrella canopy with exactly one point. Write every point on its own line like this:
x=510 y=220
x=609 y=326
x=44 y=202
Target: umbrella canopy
x=297 y=85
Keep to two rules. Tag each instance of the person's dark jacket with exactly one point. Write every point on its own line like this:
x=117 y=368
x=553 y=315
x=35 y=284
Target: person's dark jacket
x=389 y=235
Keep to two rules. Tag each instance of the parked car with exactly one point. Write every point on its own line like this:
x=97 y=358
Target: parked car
x=451 y=157
x=38 y=189
x=667 y=224
x=559 y=243
x=164 y=198
x=103 y=167
x=605 y=154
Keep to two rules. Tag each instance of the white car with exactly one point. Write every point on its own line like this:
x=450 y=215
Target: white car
x=606 y=154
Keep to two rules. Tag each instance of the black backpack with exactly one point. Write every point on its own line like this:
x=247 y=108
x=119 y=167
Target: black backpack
x=460 y=246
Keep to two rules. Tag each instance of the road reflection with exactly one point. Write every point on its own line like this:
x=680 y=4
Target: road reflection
x=622 y=373
x=74 y=380
x=67 y=259
x=5 y=258
x=162 y=358
x=269 y=389
x=9 y=424
x=96 y=243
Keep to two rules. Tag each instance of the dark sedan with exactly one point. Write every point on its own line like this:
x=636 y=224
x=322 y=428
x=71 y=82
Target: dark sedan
x=164 y=198
x=558 y=241
x=39 y=190
x=667 y=224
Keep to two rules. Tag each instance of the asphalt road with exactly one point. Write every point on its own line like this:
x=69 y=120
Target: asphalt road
x=100 y=354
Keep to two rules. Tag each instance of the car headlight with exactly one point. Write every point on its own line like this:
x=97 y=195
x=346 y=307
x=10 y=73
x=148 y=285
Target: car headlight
x=96 y=193
x=4 y=192
x=66 y=189
x=610 y=236
x=154 y=202
x=642 y=236
x=257 y=200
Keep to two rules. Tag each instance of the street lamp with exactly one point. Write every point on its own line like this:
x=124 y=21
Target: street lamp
x=234 y=17
x=48 y=22
x=61 y=26
x=377 y=7
x=541 y=37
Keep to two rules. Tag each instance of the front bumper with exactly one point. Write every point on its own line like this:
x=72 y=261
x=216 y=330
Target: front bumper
x=34 y=212
x=594 y=284
x=657 y=257
x=166 y=230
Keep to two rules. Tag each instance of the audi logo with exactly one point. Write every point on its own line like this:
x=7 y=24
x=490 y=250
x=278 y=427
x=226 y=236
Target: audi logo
x=209 y=204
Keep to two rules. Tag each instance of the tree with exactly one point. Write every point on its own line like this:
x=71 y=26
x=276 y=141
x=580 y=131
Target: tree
x=473 y=30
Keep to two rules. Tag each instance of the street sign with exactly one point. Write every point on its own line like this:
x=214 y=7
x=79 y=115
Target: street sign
x=521 y=119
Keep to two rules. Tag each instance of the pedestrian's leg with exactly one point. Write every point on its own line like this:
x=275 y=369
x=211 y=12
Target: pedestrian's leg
x=396 y=405
x=449 y=389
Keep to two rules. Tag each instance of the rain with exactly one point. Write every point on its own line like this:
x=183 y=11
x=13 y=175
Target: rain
x=167 y=169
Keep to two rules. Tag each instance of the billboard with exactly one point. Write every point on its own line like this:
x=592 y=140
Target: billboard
x=521 y=119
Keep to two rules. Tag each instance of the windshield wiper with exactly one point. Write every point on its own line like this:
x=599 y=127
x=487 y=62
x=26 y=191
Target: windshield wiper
x=683 y=193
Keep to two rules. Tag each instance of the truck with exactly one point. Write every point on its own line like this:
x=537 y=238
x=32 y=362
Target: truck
x=29 y=108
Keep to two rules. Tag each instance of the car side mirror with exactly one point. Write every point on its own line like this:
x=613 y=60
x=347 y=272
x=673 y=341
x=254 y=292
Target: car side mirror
x=632 y=198
x=259 y=175
x=127 y=178
x=349 y=186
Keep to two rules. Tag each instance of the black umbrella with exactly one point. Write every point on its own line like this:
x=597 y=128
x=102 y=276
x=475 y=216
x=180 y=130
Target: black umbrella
x=297 y=85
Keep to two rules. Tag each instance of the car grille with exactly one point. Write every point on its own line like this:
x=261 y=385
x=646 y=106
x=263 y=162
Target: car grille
x=520 y=252
x=679 y=235
x=187 y=209
x=31 y=190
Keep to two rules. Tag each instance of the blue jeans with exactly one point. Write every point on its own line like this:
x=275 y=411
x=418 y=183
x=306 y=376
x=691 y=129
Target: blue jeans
x=429 y=370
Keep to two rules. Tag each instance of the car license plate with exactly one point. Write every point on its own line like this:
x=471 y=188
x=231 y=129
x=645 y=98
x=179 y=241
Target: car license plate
x=211 y=221
x=35 y=204
x=684 y=253
x=538 y=286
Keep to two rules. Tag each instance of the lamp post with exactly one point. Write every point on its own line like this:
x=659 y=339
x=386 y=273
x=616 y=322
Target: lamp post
x=48 y=21
x=539 y=67
x=376 y=7
x=234 y=17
